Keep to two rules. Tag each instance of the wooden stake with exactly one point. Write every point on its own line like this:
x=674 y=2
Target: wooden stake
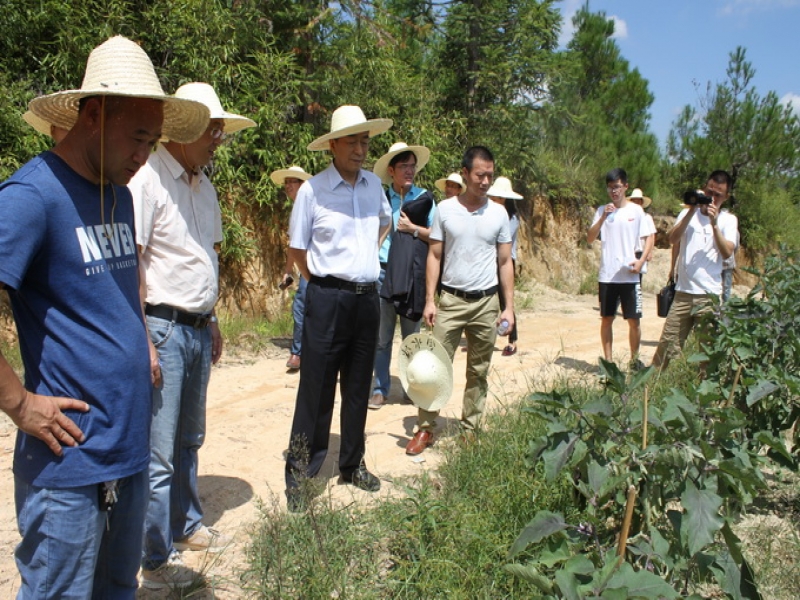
x=626 y=524
x=644 y=420
x=735 y=383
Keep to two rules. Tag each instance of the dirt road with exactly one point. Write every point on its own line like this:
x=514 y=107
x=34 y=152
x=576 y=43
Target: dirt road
x=251 y=401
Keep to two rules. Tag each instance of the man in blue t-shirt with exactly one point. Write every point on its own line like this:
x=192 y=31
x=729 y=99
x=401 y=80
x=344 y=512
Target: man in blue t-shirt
x=69 y=263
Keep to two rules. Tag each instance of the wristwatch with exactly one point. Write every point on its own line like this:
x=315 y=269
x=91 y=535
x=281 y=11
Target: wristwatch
x=416 y=233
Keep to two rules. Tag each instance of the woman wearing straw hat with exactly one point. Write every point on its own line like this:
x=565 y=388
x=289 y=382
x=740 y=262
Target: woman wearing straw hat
x=178 y=233
x=291 y=179
x=502 y=193
x=68 y=260
x=452 y=185
x=645 y=245
x=339 y=219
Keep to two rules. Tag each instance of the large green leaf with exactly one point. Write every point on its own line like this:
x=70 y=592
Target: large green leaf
x=531 y=575
x=761 y=390
x=557 y=456
x=543 y=524
x=702 y=519
x=641 y=584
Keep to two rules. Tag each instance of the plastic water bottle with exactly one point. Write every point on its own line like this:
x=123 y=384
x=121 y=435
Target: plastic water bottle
x=502 y=328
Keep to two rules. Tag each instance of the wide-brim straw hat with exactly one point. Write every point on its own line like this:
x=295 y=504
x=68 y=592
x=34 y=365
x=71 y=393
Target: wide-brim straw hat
x=381 y=168
x=425 y=371
x=37 y=123
x=119 y=67
x=636 y=194
x=454 y=178
x=501 y=188
x=205 y=94
x=279 y=176
x=349 y=120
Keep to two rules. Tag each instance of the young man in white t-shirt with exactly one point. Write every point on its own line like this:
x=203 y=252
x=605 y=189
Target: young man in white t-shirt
x=707 y=236
x=620 y=225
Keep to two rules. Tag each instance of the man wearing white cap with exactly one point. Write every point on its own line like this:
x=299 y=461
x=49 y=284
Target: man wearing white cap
x=338 y=222
x=470 y=246
x=397 y=169
x=178 y=233
x=291 y=179
x=68 y=260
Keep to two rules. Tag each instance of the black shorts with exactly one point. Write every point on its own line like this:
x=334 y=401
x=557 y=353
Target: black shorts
x=627 y=294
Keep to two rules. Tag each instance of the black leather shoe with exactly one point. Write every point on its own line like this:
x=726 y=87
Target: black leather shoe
x=363 y=479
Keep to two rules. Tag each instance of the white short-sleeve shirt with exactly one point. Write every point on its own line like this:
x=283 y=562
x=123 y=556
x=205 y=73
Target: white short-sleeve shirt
x=699 y=267
x=620 y=234
x=338 y=225
x=470 y=242
x=177 y=225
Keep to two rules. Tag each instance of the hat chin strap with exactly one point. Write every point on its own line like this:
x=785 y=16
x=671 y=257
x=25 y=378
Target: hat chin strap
x=106 y=232
x=193 y=169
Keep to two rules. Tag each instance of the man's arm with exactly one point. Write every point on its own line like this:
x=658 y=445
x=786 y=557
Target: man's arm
x=725 y=246
x=298 y=257
x=37 y=415
x=155 y=363
x=432 y=270
x=506 y=270
x=676 y=233
x=594 y=230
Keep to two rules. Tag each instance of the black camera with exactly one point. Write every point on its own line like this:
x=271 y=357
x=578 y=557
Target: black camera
x=696 y=197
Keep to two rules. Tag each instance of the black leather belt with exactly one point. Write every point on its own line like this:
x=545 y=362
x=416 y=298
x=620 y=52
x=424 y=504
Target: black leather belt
x=162 y=311
x=473 y=295
x=340 y=284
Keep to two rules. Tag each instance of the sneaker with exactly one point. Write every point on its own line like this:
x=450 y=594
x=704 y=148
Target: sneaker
x=172 y=574
x=376 y=401
x=204 y=538
x=363 y=479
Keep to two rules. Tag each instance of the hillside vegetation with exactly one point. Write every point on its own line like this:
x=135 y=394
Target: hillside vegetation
x=449 y=75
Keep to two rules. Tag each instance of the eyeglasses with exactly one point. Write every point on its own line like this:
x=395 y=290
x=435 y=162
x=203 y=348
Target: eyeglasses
x=615 y=188
x=406 y=166
x=218 y=134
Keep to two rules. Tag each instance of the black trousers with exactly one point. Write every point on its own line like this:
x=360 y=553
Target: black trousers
x=340 y=333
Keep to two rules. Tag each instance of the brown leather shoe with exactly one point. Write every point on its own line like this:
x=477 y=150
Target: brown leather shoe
x=421 y=440
x=293 y=364
x=376 y=401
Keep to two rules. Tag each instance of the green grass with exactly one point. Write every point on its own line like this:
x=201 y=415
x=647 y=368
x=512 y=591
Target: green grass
x=243 y=334
x=448 y=534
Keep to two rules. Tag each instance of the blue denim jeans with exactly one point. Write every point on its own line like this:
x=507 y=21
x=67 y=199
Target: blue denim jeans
x=298 y=310
x=383 y=353
x=177 y=432
x=727 y=284
x=69 y=550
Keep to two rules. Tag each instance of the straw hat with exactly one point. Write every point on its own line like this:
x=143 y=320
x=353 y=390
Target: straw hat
x=37 y=123
x=381 y=168
x=349 y=120
x=205 y=94
x=426 y=371
x=119 y=67
x=453 y=177
x=279 y=175
x=501 y=188
x=636 y=194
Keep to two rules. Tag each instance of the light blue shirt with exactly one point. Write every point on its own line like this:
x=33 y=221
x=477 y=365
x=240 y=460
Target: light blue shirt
x=396 y=204
x=338 y=225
